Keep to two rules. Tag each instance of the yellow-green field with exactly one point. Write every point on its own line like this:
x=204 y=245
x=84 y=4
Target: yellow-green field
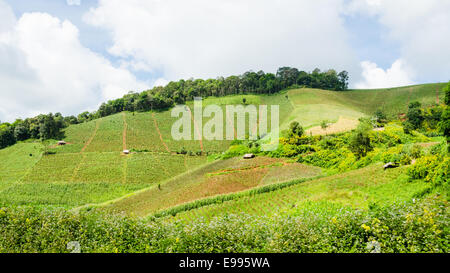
x=312 y=106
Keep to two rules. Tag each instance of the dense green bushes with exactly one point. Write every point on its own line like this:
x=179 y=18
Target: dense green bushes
x=6 y=136
x=337 y=153
x=432 y=168
x=390 y=145
x=40 y=127
x=420 y=227
x=444 y=125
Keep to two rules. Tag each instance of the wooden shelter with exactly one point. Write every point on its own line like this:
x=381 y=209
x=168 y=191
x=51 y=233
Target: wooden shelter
x=249 y=156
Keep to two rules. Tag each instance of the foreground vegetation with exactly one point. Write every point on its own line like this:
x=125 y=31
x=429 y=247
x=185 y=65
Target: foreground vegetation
x=318 y=227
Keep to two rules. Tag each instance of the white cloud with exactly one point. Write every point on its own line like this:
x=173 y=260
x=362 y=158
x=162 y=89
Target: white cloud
x=375 y=77
x=44 y=68
x=421 y=28
x=73 y=2
x=161 y=82
x=209 y=38
x=8 y=19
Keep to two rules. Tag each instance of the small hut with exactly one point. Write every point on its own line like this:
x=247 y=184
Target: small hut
x=390 y=165
x=249 y=156
x=126 y=152
x=61 y=143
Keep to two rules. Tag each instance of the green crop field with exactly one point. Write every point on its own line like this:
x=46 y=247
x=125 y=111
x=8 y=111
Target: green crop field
x=16 y=162
x=359 y=188
x=220 y=177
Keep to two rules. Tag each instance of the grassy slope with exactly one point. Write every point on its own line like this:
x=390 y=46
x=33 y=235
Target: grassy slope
x=357 y=188
x=15 y=163
x=219 y=177
x=394 y=100
x=91 y=169
x=312 y=106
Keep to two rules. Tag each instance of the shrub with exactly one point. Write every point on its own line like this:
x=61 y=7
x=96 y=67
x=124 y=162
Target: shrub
x=392 y=154
x=315 y=227
x=432 y=168
x=405 y=159
x=235 y=150
x=416 y=151
x=439 y=149
x=360 y=141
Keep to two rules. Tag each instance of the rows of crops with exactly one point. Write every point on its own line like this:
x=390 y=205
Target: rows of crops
x=152 y=131
x=108 y=137
x=357 y=188
x=75 y=179
x=16 y=161
x=220 y=177
x=142 y=134
x=77 y=136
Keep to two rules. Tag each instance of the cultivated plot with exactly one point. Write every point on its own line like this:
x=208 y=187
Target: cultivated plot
x=219 y=177
x=357 y=188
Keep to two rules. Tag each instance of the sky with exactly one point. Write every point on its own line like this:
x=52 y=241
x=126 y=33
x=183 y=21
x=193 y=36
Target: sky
x=69 y=56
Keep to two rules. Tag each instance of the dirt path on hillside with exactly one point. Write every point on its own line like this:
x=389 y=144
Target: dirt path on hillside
x=196 y=129
x=231 y=123
x=125 y=170
x=255 y=128
x=77 y=168
x=124 y=133
x=97 y=125
x=124 y=147
x=159 y=133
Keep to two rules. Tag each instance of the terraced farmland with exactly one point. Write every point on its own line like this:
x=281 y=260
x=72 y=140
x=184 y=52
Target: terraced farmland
x=359 y=188
x=220 y=177
x=91 y=169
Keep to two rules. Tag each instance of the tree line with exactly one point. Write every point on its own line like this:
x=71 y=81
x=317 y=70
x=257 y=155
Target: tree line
x=40 y=127
x=175 y=92
x=250 y=82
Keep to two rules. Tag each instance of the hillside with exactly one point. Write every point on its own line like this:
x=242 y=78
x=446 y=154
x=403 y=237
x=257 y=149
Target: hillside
x=313 y=106
x=91 y=169
x=358 y=189
x=318 y=192
x=220 y=177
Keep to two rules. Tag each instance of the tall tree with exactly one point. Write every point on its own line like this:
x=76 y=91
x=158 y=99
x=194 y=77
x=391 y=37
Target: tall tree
x=360 y=142
x=415 y=114
x=343 y=80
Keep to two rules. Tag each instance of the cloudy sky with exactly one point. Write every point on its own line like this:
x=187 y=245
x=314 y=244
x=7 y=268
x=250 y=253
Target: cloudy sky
x=70 y=55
